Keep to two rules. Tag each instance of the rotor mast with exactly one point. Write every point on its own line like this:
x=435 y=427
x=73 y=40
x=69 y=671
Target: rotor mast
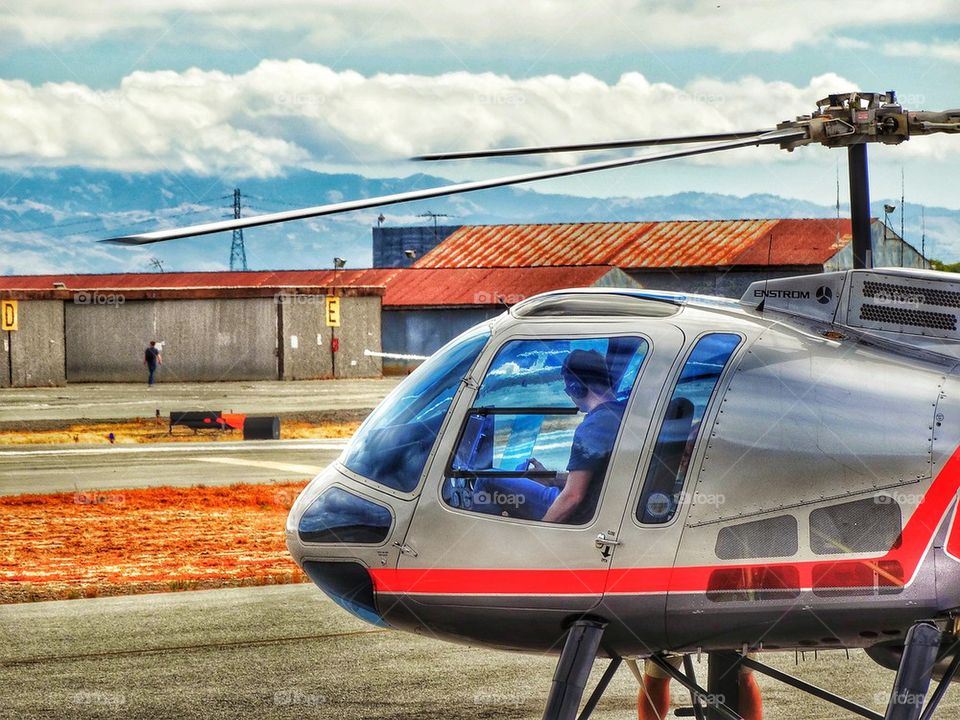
x=852 y=120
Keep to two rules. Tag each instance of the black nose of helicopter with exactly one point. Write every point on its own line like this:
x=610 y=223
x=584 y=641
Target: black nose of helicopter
x=335 y=520
x=349 y=585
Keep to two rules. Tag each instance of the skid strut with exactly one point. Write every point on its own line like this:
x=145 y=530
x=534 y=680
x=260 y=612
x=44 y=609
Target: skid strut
x=913 y=677
x=723 y=680
x=573 y=670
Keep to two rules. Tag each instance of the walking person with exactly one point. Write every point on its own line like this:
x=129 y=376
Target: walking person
x=152 y=359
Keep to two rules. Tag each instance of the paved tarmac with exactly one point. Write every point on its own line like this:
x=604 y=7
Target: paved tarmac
x=274 y=652
x=58 y=468
x=288 y=652
x=115 y=401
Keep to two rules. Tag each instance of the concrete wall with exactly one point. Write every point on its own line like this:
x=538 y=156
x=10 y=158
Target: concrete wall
x=307 y=341
x=306 y=338
x=359 y=330
x=203 y=340
x=33 y=355
x=423 y=332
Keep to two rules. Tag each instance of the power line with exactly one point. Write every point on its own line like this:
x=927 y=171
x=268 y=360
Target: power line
x=153 y=219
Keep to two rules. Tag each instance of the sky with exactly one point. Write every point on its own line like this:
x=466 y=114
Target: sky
x=233 y=90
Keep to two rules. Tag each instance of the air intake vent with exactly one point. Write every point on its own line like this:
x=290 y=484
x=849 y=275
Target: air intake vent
x=918 y=303
x=776 y=537
x=870 y=525
x=893 y=291
x=911 y=318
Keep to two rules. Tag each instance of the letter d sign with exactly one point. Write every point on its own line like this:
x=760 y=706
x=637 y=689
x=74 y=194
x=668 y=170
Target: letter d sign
x=8 y=315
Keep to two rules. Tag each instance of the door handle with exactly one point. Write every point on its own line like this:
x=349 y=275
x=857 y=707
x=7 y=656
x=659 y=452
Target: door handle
x=405 y=549
x=603 y=541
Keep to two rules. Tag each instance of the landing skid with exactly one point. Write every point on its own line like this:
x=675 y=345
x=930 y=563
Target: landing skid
x=715 y=702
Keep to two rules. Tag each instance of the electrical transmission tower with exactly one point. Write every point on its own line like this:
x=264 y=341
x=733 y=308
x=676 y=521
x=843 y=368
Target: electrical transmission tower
x=238 y=254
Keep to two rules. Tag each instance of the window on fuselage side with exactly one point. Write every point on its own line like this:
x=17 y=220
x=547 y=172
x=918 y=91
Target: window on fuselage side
x=681 y=426
x=525 y=433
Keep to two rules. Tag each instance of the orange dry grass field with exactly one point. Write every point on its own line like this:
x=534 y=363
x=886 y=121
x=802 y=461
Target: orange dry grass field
x=89 y=544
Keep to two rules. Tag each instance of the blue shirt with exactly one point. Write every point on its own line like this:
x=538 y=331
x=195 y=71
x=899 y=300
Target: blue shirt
x=592 y=446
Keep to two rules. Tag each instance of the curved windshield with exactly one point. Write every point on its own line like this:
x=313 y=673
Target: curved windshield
x=392 y=445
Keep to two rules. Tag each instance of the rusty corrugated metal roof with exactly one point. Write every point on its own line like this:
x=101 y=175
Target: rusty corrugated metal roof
x=488 y=286
x=171 y=280
x=412 y=287
x=628 y=245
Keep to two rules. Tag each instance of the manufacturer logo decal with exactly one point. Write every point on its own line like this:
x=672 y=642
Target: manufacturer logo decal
x=787 y=294
x=824 y=294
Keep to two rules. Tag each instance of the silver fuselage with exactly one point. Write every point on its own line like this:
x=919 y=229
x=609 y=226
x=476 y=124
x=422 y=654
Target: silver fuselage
x=830 y=446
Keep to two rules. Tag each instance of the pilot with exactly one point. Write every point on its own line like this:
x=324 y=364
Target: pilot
x=653 y=702
x=573 y=496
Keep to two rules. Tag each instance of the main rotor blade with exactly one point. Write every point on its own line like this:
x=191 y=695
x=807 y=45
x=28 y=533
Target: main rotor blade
x=776 y=136
x=616 y=144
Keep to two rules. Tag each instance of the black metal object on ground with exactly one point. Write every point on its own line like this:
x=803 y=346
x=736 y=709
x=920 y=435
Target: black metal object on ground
x=263 y=427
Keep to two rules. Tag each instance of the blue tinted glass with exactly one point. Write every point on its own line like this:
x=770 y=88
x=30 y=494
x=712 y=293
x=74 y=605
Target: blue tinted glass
x=338 y=516
x=526 y=373
x=534 y=426
x=504 y=441
x=392 y=445
x=681 y=426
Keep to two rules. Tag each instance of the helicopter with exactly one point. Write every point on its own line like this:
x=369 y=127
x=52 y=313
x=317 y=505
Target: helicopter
x=623 y=473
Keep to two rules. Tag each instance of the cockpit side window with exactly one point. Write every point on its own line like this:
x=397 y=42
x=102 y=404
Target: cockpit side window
x=537 y=443
x=681 y=426
x=393 y=444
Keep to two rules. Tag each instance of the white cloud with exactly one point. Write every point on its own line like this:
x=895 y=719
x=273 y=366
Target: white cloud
x=613 y=24
x=292 y=114
x=949 y=52
x=34 y=252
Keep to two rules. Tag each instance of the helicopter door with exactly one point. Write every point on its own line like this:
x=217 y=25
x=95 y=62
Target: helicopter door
x=643 y=569
x=568 y=409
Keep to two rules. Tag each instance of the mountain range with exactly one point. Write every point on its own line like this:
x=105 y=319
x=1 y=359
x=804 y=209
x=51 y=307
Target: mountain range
x=50 y=221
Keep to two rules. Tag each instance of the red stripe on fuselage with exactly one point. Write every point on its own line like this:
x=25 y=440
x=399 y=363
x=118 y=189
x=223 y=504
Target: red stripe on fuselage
x=916 y=537
x=952 y=546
